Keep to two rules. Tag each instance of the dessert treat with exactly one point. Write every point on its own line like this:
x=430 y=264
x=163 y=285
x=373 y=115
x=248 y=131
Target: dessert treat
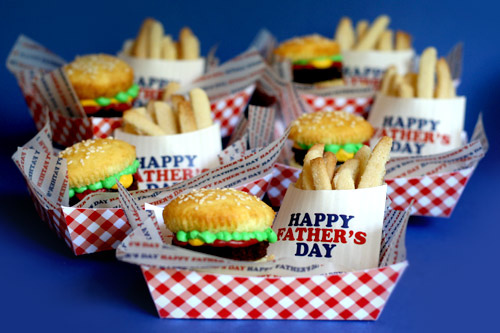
x=432 y=81
x=173 y=116
x=103 y=83
x=366 y=169
x=314 y=59
x=342 y=133
x=95 y=165
x=152 y=43
x=223 y=222
x=375 y=37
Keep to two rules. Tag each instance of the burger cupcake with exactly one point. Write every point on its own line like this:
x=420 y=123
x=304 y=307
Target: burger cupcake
x=342 y=133
x=103 y=83
x=95 y=166
x=315 y=59
x=223 y=222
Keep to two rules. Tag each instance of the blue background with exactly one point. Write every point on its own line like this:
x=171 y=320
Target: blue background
x=452 y=281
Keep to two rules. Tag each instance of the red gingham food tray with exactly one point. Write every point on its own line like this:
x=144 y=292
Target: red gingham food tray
x=435 y=195
x=87 y=230
x=359 y=106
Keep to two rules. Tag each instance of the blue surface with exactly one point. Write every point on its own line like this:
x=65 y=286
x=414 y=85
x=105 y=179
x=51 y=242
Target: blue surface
x=452 y=281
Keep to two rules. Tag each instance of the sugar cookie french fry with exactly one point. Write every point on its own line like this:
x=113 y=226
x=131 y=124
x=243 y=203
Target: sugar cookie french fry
x=187 y=123
x=411 y=79
x=298 y=183
x=166 y=118
x=330 y=163
x=143 y=111
x=155 y=40
x=385 y=86
x=201 y=108
x=141 y=124
x=344 y=35
x=374 y=172
x=394 y=85
x=427 y=68
x=170 y=89
x=168 y=48
x=444 y=85
x=371 y=37
x=320 y=174
x=345 y=177
x=385 y=41
x=403 y=40
x=362 y=155
x=176 y=99
x=305 y=177
x=361 y=28
x=190 y=47
x=141 y=44
x=405 y=90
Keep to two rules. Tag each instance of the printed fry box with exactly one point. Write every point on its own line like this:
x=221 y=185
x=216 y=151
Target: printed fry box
x=418 y=126
x=331 y=227
x=153 y=74
x=50 y=97
x=97 y=223
x=367 y=67
x=184 y=284
x=169 y=159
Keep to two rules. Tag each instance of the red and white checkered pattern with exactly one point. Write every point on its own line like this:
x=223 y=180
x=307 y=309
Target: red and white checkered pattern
x=93 y=230
x=227 y=110
x=350 y=296
x=104 y=127
x=86 y=230
x=258 y=187
x=435 y=195
x=359 y=106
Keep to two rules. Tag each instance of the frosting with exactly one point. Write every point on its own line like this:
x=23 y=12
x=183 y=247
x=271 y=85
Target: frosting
x=342 y=152
x=110 y=182
x=197 y=238
x=121 y=97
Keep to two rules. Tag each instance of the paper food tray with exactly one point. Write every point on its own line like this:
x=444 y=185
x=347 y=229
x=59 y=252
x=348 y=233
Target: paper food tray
x=358 y=295
x=227 y=101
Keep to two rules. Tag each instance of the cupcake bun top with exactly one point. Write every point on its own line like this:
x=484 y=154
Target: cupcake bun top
x=330 y=127
x=99 y=75
x=307 y=47
x=217 y=210
x=91 y=161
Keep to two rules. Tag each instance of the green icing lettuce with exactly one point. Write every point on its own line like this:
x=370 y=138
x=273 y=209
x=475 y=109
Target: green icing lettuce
x=106 y=183
x=348 y=147
x=209 y=237
x=336 y=57
x=121 y=97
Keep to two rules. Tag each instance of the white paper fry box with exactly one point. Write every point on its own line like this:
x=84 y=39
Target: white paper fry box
x=339 y=228
x=169 y=159
x=418 y=126
x=153 y=74
x=367 y=67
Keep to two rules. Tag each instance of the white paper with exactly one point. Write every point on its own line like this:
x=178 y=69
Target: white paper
x=418 y=126
x=367 y=67
x=340 y=228
x=169 y=159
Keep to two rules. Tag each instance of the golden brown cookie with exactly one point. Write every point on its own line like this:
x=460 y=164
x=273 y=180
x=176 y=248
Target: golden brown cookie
x=330 y=127
x=91 y=161
x=217 y=210
x=307 y=47
x=99 y=75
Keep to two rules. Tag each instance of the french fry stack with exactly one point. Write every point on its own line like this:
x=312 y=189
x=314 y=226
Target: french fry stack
x=174 y=115
x=432 y=81
x=152 y=43
x=366 y=169
x=374 y=37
